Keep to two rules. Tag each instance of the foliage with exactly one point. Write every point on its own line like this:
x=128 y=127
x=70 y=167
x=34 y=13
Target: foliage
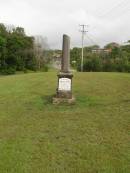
x=17 y=51
x=93 y=64
x=117 y=58
x=8 y=70
x=75 y=54
x=44 y=68
x=111 y=45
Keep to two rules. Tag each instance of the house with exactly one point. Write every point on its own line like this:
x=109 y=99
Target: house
x=101 y=51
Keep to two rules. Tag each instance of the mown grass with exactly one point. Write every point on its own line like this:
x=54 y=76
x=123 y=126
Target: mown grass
x=91 y=136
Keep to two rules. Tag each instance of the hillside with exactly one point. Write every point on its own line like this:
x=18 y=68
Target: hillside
x=91 y=136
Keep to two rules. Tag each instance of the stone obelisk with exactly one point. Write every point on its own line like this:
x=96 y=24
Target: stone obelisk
x=64 y=89
x=65 y=63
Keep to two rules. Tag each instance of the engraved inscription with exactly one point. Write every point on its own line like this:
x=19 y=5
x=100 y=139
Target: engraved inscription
x=64 y=84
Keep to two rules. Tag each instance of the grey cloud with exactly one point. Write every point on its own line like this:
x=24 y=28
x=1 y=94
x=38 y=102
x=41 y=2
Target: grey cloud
x=108 y=20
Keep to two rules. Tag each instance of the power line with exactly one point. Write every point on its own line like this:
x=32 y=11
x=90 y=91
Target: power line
x=120 y=13
x=116 y=6
x=95 y=38
x=83 y=31
x=92 y=41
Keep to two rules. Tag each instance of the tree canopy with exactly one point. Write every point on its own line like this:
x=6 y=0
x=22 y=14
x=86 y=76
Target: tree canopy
x=113 y=57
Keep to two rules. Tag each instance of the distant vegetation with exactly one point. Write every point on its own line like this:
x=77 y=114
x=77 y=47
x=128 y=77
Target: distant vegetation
x=113 y=58
x=19 y=52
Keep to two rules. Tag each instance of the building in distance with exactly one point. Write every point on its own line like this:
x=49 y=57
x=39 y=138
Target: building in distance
x=99 y=51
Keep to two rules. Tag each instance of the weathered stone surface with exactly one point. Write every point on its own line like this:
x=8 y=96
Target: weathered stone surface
x=57 y=101
x=65 y=64
x=65 y=94
x=64 y=89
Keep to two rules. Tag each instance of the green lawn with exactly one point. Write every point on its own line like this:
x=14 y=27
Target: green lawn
x=91 y=136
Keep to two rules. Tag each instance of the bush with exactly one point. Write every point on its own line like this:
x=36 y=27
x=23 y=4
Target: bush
x=25 y=70
x=93 y=64
x=45 y=68
x=127 y=68
x=109 y=66
x=8 y=71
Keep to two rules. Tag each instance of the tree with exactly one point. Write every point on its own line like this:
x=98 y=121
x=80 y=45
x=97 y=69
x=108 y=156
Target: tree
x=16 y=50
x=93 y=63
x=75 y=55
x=41 y=51
x=111 y=45
x=19 y=31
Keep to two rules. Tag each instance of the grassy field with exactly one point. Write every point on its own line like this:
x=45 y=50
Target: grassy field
x=91 y=136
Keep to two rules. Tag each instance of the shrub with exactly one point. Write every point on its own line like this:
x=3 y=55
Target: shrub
x=93 y=64
x=45 y=68
x=8 y=71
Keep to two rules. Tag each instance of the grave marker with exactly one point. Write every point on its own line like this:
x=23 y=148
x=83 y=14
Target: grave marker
x=64 y=89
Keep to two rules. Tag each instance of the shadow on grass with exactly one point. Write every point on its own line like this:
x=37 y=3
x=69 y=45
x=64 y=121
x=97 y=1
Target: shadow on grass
x=47 y=99
x=46 y=102
x=82 y=101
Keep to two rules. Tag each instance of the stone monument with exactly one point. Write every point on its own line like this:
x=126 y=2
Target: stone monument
x=64 y=89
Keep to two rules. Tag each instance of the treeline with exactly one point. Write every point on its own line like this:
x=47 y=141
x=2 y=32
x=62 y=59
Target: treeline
x=19 y=52
x=112 y=58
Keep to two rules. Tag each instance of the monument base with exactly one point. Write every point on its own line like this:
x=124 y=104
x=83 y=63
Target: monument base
x=57 y=101
x=64 y=90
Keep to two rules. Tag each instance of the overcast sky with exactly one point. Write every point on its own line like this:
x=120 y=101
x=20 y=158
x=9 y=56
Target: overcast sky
x=108 y=20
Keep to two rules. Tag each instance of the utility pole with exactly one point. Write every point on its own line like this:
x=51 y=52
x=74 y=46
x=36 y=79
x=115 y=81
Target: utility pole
x=83 y=31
